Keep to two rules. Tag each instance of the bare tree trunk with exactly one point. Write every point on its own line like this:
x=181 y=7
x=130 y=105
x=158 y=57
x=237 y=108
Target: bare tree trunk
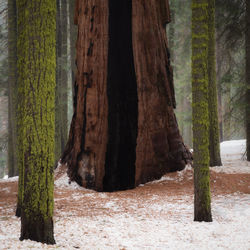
x=61 y=80
x=214 y=137
x=124 y=131
x=12 y=89
x=248 y=78
x=73 y=36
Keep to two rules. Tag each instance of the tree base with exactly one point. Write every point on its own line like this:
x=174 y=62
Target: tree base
x=203 y=217
x=37 y=229
x=18 y=211
x=217 y=163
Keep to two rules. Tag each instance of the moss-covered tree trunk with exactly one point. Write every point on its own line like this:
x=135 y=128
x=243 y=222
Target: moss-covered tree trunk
x=248 y=78
x=200 y=38
x=36 y=90
x=124 y=131
x=214 y=138
x=12 y=89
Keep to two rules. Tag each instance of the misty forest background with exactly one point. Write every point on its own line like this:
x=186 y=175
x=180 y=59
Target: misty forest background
x=230 y=57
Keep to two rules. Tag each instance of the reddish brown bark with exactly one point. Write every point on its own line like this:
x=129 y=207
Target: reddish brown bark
x=124 y=131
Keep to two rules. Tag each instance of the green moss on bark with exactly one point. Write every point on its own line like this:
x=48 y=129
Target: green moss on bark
x=36 y=91
x=202 y=207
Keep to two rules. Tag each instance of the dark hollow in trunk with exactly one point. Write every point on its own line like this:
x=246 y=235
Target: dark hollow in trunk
x=123 y=131
x=122 y=100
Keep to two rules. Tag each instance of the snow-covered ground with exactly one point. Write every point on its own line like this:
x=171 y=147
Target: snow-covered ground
x=133 y=220
x=233 y=154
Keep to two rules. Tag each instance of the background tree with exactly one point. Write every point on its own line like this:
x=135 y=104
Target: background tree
x=230 y=54
x=12 y=89
x=124 y=131
x=61 y=79
x=214 y=139
x=248 y=78
x=3 y=88
x=73 y=35
x=179 y=34
x=36 y=90
x=200 y=38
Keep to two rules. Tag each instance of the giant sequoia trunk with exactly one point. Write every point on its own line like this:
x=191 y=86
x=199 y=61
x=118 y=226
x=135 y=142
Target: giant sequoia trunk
x=124 y=131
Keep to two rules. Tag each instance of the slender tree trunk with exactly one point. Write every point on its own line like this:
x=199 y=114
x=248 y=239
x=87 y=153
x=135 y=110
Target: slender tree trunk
x=73 y=36
x=36 y=91
x=227 y=112
x=64 y=75
x=171 y=30
x=58 y=97
x=124 y=131
x=214 y=139
x=12 y=89
x=219 y=62
x=61 y=80
x=248 y=78
x=202 y=197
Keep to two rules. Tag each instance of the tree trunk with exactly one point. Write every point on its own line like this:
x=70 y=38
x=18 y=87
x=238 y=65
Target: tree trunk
x=214 y=139
x=64 y=76
x=36 y=91
x=73 y=36
x=171 y=31
x=12 y=89
x=202 y=197
x=61 y=80
x=124 y=131
x=248 y=79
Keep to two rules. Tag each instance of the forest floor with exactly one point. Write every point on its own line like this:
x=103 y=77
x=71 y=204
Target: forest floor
x=157 y=215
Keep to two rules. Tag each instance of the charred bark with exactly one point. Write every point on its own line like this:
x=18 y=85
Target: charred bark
x=124 y=131
x=122 y=100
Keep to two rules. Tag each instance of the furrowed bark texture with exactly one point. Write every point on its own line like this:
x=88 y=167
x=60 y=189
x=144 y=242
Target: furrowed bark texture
x=124 y=131
x=248 y=78
x=202 y=199
x=214 y=138
x=12 y=89
x=36 y=91
x=159 y=145
x=86 y=148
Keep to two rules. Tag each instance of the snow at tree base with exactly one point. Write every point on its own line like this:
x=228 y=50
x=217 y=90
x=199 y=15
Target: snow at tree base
x=157 y=215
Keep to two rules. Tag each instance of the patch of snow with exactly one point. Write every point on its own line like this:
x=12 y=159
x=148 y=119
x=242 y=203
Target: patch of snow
x=11 y=179
x=6 y=189
x=233 y=150
x=145 y=222
x=63 y=182
x=238 y=167
x=179 y=177
x=232 y=155
x=172 y=228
